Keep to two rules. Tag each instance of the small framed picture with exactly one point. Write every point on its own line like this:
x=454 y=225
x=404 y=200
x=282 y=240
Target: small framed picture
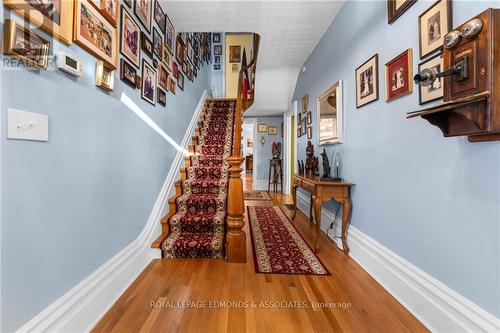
x=180 y=81
x=104 y=76
x=24 y=44
x=175 y=69
x=272 y=130
x=433 y=25
x=138 y=82
x=130 y=33
x=157 y=44
x=309 y=118
x=109 y=9
x=180 y=51
x=305 y=103
x=217 y=59
x=216 y=67
x=303 y=125
x=127 y=73
x=169 y=34
x=262 y=128
x=163 y=76
x=299 y=132
x=146 y=45
x=148 y=87
x=217 y=49
x=398 y=75
x=235 y=54
x=216 y=37
x=162 y=97
x=171 y=85
x=159 y=15
x=128 y=3
x=143 y=10
x=309 y=133
x=367 y=82
x=166 y=57
x=435 y=90
x=395 y=8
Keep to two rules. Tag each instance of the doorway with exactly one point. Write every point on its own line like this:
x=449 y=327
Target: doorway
x=290 y=149
x=249 y=128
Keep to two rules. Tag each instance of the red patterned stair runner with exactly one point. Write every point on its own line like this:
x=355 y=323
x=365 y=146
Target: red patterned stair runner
x=197 y=228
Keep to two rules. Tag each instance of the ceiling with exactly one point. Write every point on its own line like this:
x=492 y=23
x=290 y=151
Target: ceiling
x=289 y=32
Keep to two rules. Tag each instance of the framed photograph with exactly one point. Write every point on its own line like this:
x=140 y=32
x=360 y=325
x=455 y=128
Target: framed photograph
x=128 y=73
x=235 y=53
x=367 y=82
x=435 y=90
x=94 y=33
x=25 y=45
x=169 y=34
x=175 y=69
x=104 y=76
x=272 y=130
x=216 y=37
x=395 y=8
x=148 y=86
x=171 y=85
x=146 y=45
x=130 y=33
x=303 y=125
x=143 y=11
x=109 y=9
x=218 y=50
x=138 y=82
x=163 y=76
x=185 y=68
x=309 y=133
x=305 y=103
x=309 y=118
x=216 y=67
x=128 y=3
x=184 y=37
x=399 y=75
x=159 y=15
x=195 y=71
x=262 y=128
x=299 y=132
x=157 y=44
x=180 y=81
x=155 y=63
x=190 y=52
x=166 y=58
x=433 y=25
x=162 y=97
x=217 y=59
x=53 y=16
x=180 y=52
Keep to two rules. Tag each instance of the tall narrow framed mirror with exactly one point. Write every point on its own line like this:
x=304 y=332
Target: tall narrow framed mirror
x=329 y=115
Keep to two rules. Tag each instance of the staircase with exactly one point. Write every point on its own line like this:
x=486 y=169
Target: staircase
x=195 y=228
x=206 y=216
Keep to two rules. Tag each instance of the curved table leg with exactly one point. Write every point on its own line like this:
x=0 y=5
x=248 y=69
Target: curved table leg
x=317 y=214
x=346 y=218
x=294 y=197
x=311 y=206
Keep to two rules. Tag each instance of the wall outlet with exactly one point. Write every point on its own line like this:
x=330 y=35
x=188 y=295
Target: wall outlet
x=22 y=125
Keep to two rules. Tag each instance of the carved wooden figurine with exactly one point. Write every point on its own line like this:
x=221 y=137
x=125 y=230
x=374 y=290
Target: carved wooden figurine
x=326 y=165
x=311 y=160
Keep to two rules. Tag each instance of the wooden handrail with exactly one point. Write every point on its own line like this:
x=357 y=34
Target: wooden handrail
x=236 y=237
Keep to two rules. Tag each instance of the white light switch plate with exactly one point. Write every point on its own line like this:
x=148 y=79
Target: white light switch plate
x=22 y=125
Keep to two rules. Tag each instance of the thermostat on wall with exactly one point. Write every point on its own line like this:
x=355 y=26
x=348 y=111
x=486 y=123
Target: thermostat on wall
x=69 y=63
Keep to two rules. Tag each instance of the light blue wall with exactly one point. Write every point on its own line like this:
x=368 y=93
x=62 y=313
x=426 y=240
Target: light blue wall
x=265 y=152
x=70 y=204
x=434 y=201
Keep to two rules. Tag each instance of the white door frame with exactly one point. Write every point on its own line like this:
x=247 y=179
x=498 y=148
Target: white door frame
x=287 y=119
x=255 y=155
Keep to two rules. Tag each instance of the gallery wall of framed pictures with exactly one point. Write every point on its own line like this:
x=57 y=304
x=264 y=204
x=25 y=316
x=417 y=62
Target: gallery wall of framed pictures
x=137 y=38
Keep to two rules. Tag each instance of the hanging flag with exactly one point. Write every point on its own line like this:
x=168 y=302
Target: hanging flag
x=246 y=83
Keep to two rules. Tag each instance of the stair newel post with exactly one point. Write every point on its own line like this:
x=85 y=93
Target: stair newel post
x=236 y=237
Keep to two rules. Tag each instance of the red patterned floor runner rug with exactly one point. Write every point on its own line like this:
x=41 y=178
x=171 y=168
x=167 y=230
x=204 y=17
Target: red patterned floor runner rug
x=197 y=228
x=257 y=195
x=278 y=246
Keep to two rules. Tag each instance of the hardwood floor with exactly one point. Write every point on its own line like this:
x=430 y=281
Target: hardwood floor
x=163 y=298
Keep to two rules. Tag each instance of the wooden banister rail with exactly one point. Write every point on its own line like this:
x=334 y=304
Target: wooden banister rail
x=236 y=237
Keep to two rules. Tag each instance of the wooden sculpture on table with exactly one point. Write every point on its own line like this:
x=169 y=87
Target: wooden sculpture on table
x=276 y=150
x=326 y=166
x=300 y=165
x=311 y=160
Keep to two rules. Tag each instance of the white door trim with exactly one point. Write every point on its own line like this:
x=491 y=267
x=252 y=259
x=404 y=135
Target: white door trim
x=255 y=155
x=287 y=118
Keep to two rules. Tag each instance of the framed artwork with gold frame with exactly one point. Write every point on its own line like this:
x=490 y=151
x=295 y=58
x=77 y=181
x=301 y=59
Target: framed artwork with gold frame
x=272 y=130
x=305 y=103
x=104 y=76
x=25 y=45
x=89 y=23
x=56 y=20
x=109 y=9
x=262 y=128
x=130 y=38
x=399 y=75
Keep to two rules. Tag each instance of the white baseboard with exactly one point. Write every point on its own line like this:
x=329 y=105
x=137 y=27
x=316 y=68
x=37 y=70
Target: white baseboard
x=81 y=307
x=438 y=307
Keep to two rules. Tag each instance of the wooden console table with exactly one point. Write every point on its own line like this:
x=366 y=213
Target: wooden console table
x=322 y=191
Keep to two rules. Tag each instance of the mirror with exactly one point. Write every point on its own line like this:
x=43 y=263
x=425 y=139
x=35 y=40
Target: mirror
x=329 y=111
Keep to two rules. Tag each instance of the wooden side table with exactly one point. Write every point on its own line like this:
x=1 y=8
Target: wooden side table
x=322 y=191
x=277 y=175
